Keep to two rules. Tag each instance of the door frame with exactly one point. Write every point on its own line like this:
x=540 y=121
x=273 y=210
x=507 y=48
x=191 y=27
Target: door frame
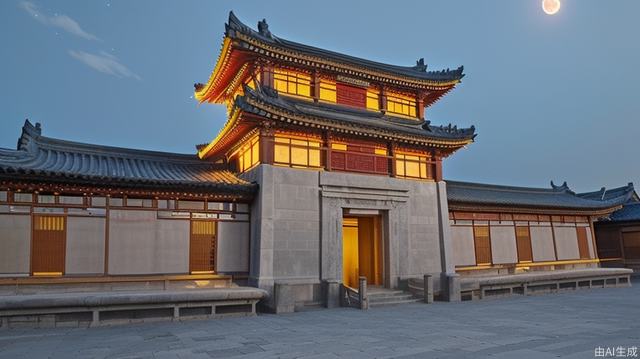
x=215 y=246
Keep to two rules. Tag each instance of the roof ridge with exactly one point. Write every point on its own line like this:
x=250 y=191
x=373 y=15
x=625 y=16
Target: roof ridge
x=418 y=71
x=33 y=134
x=507 y=187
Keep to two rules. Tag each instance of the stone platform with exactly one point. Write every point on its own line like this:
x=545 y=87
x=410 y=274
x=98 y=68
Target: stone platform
x=539 y=282
x=82 y=309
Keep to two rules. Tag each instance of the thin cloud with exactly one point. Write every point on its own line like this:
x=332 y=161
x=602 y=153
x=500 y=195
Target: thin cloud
x=103 y=62
x=63 y=22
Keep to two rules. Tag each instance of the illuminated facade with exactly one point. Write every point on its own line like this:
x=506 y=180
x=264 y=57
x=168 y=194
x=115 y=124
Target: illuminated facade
x=325 y=171
x=349 y=169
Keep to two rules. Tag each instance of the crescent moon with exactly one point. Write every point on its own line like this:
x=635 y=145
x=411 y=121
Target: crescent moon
x=551 y=7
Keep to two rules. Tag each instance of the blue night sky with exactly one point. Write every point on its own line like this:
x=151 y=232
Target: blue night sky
x=552 y=97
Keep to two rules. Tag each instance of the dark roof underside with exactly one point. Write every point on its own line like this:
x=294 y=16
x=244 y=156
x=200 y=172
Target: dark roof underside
x=557 y=197
x=40 y=158
x=417 y=72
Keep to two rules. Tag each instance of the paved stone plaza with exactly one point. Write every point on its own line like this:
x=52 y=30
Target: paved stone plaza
x=567 y=325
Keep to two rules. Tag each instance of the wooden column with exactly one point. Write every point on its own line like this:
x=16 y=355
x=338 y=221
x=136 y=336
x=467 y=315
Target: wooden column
x=383 y=100
x=267 y=139
x=438 y=173
x=328 y=137
x=392 y=153
x=420 y=107
x=315 y=86
x=266 y=75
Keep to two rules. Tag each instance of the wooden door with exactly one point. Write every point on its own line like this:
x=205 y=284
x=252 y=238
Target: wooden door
x=48 y=245
x=583 y=244
x=523 y=243
x=631 y=242
x=202 y=247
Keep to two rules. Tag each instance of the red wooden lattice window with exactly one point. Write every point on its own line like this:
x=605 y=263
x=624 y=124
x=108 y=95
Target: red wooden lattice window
x=359 y=158
x=351 y=95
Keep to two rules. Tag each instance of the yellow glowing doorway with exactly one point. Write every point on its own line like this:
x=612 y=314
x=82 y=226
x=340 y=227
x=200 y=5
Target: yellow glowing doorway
x=361 y=250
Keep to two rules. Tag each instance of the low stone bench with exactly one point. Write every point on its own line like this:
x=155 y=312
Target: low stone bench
x=481 y=287
x=99 y=308
x=68 y=284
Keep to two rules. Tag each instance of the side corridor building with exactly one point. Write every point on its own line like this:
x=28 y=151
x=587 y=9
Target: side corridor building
x=326 y=170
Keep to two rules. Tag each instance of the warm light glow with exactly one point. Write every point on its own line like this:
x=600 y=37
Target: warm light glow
x=292 y=83
x=412 y=166
x=350 y=271
x=551 y=7
x=296 y=152
x=327 y=91
x=401 y=104
x=249 y=154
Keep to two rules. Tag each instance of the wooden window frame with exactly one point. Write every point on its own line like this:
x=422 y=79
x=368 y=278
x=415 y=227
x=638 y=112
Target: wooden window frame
x=518 y=249
x=395 y=100
x=475 y=246
x=285 y=140
x=251 y=147
x=214 y=266
x=292 y=78
x=400 y=161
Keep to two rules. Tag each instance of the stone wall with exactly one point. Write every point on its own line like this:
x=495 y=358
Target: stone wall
x=233 y=247
x=296 y=230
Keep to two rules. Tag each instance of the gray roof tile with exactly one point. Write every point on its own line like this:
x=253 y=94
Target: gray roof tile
x=556 y=197
x=419 y=71
x=42 y=158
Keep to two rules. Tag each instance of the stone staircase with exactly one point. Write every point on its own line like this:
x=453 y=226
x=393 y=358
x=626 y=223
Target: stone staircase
x=379 y=296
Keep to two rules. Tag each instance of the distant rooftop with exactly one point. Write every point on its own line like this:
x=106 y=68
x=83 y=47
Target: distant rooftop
x=556 y=197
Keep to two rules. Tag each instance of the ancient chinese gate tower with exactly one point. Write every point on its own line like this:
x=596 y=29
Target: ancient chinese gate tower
x=349 y=169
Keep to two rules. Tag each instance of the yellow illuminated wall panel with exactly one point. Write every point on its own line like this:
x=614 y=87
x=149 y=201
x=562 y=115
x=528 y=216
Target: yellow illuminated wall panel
x=296 y=152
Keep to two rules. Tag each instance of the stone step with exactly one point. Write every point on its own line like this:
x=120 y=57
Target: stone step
x=403 y=296
x=385 y=293
x=394 y=302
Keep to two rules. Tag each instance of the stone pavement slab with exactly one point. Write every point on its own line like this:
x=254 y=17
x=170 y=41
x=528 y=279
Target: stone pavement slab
x=565 y=325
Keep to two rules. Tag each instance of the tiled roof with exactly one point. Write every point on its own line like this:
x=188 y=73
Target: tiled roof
x=42 y=158
x=629 y=212
x=419 y=71
x=605 y=193
x=254 y=100
x=556 y=197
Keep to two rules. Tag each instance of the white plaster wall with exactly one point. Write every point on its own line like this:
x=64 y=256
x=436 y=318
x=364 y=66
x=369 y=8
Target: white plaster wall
x=15 y=244
x=233 y=247
x=566 y=242
x=85 y=245
x=542 y=244
x=139 y=243
x=503 y=245
x=464 y=252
